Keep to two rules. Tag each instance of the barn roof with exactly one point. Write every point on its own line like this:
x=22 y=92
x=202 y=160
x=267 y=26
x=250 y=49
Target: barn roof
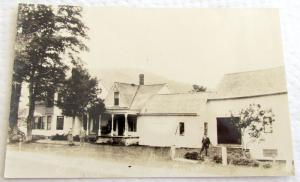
x=252 y=83
x=174 y=104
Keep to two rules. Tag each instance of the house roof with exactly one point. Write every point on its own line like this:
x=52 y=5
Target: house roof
x=143 y=93
x=252 y=83
x=173 y=104
x=127 y=92
x=133 y=96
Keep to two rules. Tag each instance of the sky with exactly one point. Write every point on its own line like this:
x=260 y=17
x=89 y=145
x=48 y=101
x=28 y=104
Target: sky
x=196 y=46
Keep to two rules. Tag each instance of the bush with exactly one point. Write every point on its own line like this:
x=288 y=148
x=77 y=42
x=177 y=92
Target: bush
x=59 y=137
x=267 y=165
x=15 y=135
x=37 y=137
x=193 y=156
x=76 y=138
x=217 y=159
x=65 y=137
x=244 y=162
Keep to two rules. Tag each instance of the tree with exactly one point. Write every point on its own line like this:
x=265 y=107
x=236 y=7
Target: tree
x=46 y=36
x=79 y=95
x=198 y=88
x=23 y=38
x=252 y=121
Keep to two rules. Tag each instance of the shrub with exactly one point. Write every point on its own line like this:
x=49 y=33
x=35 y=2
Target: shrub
x=217 y=159
x=76 y=138
x=59 y=137
x=193 y=156
x=38 y=137
x=15 y=135
x=267 y=165
x=244 y=162
x=65 y=137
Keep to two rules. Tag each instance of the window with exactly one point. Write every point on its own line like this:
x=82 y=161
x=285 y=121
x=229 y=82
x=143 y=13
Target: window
x=268 y=125
x=227 y=131
x=116 y=98
x=60 y=123
x=39 y=123
x=181 y=128
x=205 y=128
x=49 y=119
x=132 y=123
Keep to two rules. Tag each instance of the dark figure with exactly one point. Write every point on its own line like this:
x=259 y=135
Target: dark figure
x=205 y=144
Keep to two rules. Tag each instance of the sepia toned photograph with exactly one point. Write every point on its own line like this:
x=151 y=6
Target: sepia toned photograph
x=111 y=92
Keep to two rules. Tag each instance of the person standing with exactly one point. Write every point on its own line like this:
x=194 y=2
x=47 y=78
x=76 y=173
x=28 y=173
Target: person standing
x=205 y=144
x=82 y=136
x=70 y=137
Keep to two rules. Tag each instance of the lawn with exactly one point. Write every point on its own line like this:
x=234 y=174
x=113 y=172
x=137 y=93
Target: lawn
x=37 y=160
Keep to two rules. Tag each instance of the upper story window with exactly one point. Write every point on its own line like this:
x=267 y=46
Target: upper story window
x=116 y=98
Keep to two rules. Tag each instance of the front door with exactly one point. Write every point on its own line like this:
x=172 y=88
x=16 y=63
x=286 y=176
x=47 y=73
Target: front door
x=121 y=124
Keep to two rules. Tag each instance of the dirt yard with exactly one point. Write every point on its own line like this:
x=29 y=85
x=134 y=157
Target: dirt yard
x=90 y=161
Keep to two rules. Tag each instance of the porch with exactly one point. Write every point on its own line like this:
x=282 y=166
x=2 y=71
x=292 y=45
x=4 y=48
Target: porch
x=113 y=128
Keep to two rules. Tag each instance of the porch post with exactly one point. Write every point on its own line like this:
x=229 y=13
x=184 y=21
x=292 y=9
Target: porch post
x=112 y=125
x=87 y=124
x=117 y=129
x=91 y=124
x=126 y=125
x=99 y=128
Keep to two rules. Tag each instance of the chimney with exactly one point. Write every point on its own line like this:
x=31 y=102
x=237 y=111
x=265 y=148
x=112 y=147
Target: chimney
x=141 y=76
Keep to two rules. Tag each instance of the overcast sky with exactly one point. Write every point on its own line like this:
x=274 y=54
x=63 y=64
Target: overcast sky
x=187 y=45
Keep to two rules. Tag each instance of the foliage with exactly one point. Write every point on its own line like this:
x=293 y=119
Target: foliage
x=15 y=135
x=198 y=88
x=217 y=159
x=64 y=137
x=244 y=162
x=193 y=156
x=46 y=36
x=96 y=107
x=252 y=122
x=79 y=94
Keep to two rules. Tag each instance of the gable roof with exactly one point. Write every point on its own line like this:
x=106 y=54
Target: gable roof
x=252 y=83
x=143 y=93
x=126 y=91
x=175 y=104
x=133 y=96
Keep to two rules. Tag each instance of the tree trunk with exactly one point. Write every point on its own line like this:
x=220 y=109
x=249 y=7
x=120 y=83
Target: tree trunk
x=14 y=104
x=73 y=124
x=30 y=117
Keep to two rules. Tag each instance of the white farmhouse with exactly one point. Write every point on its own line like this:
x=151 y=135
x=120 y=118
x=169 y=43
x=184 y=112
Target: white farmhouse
x=150 y=115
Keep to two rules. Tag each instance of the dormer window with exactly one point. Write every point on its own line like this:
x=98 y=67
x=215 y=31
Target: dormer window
x=116 y=98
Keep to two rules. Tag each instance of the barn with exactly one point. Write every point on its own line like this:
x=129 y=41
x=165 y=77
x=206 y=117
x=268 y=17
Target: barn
x=237 y=91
